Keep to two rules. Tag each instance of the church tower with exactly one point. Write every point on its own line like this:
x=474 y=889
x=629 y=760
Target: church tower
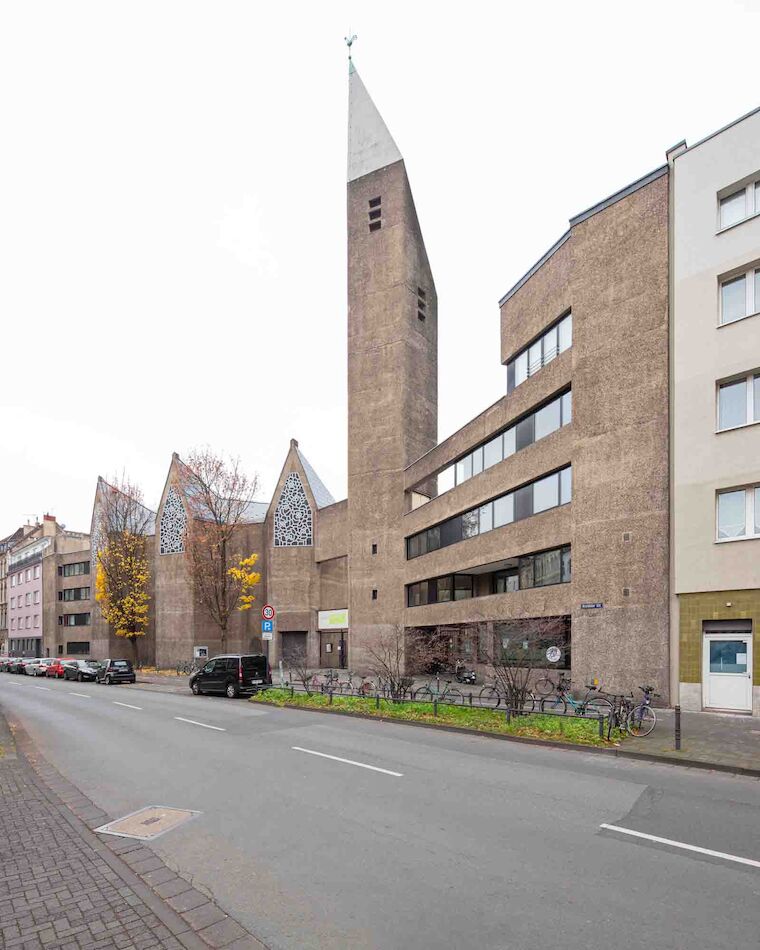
x=392 y=366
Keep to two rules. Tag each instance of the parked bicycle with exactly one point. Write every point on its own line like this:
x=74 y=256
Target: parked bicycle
x=641 y=718
x=491 y=697
x=546 y=685
x=592 y=704
x=433 y=691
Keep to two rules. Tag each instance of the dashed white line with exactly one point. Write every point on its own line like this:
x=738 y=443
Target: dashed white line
x=337 y=758
x=126 y=705
x=83 y=695
x=680 y=844
x=47 y=688
x=204 y=724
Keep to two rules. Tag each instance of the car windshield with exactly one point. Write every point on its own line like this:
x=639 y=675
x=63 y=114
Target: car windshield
x=125 y=664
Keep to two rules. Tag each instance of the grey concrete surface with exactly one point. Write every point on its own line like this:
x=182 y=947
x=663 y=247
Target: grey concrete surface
x=478 y=843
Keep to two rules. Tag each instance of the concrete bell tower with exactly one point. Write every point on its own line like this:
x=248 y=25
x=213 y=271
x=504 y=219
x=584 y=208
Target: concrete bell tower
x=392 y=366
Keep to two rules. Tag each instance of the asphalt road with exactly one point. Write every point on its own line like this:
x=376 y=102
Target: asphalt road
x=447 y=841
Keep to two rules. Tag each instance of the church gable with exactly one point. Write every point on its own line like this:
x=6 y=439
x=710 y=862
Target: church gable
x=293 y=519
x=173 y=525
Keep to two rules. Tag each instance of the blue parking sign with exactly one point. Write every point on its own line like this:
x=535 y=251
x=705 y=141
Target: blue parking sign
x=267 y=626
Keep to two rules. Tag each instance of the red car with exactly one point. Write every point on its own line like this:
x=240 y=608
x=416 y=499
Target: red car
x=56 y=667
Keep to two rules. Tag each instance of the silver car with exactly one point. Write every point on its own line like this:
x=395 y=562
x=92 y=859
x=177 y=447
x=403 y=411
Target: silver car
x=31 y=666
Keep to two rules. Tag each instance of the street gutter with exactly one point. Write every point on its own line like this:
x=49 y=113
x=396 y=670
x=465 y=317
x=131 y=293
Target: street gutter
x=530 y=740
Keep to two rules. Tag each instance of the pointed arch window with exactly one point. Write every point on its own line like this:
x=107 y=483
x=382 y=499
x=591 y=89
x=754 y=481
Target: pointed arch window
x=293 y=521
x=173 y=524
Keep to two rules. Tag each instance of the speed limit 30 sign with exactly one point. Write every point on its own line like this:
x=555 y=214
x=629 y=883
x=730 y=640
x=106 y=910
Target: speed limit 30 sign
x=267 y=612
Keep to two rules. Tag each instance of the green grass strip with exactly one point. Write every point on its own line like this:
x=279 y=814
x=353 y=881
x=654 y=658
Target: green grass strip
x=574 y=731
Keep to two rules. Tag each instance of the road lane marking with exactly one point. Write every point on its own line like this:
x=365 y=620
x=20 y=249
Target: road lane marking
x=83 y=695
x=43 y=687
x=680 y=844
x=337 y=758
x=127 y=705
x=204 y=724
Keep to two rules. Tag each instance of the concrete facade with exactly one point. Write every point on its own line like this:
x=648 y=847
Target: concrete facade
x=712 y=243
x=611 y=273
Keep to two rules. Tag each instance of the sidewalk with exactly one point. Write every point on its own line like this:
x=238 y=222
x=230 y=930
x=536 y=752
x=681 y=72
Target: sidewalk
x=730 y=742
x=62 y=886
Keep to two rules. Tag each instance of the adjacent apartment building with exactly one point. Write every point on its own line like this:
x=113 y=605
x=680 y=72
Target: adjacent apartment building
x=40 y=568
x=715 y=435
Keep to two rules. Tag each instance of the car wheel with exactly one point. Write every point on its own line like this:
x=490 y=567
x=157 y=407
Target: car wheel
x=196 y=688
x=79 y=677
x=107 y=680
x=232 y=691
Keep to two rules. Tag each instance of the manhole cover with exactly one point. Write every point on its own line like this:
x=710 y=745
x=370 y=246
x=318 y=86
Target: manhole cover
x=148 y=823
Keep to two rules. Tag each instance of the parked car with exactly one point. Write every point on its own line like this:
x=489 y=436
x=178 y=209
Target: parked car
x=80 y=670
x=16 y=664
x=115 y=671
x=33 y=666
x=4 y=661
x=55 y=667
x=233 y=675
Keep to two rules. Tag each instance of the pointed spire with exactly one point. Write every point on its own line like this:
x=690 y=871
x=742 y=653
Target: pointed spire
x=370 y=144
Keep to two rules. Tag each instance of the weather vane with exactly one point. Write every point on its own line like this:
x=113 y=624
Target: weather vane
x=350 y=42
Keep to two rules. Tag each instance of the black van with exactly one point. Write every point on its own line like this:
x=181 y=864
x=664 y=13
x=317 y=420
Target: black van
x=233 y=674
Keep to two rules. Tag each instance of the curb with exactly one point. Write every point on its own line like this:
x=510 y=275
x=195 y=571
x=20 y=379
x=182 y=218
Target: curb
x=191 y=916
x=461 y=730
x=529 y=740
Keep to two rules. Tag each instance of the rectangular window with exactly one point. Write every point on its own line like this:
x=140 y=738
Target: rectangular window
x=77 y=647
x=470 y=523
x=477 y=461
x=445 y=589
x=523 y=502
x=548 y=419
x=446 y=480
x=565 y=485
x=510 y=442
x=464 y=469
x=74 y=570
x=37 y=572
x=36 y=620
x=504 y=510
x=567 y=572
x=732 y=516
x=733 y=298
x=493 y=452
x=74 y=620
x=417 y=594
x=526 y=572
x=462 y=587
x=507 y=582
x=36 y=597
x=567 y=408
x=732 y=404
x=525 y=433
x=547 y=568
x=546 y=493
x=451 y=531
x=433 y=538
x=733 y=208
x=521 y=368
x=553 y=341
x=486 y=517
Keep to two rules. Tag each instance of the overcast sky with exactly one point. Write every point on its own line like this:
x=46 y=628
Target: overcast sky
x=172 y=205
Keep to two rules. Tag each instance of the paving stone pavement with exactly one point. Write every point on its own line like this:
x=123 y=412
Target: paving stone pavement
x=63 y=886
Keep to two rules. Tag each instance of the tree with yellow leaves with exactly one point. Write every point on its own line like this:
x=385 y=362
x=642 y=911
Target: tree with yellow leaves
x=219 y=497
x=120 y=557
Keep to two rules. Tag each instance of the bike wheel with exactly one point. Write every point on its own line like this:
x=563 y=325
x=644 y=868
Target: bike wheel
x=453 y=696
x=641 y=721
x=596 y=707
x=423 y=695
x=489 y=697
x=531 y=704
x=545 y=686
x=553 y=704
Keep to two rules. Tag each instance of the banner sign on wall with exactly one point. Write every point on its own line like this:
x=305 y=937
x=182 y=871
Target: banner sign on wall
x=333 y=619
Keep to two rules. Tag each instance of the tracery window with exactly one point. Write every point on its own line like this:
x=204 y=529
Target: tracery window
x=293 y=525
x=173 y=524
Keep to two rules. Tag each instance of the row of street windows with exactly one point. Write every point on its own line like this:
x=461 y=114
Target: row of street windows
x=521 y=573
x=546 y=348
x=537 y=425
x=545 y=493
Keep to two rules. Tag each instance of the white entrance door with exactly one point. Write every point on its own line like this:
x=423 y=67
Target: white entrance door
x=727 y=671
